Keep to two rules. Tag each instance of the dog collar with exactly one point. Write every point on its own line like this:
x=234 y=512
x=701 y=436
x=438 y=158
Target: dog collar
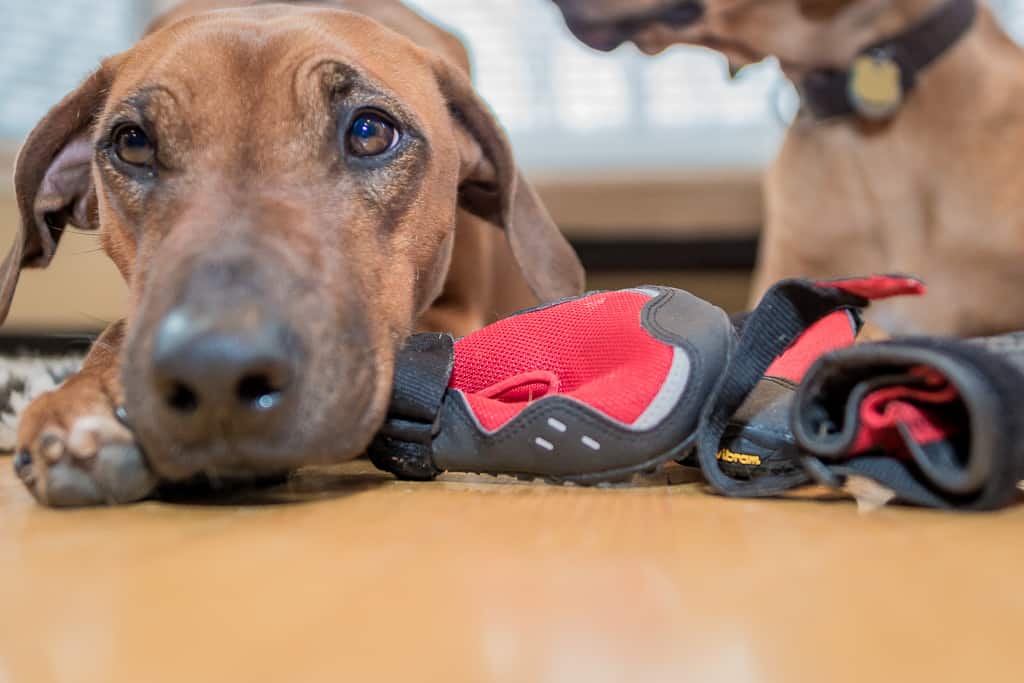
x=878 y=81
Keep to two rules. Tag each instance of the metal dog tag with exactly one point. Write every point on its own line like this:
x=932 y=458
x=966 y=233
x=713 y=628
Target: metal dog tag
x=875 y=87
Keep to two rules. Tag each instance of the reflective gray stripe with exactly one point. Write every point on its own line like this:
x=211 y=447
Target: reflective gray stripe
x=668 y=396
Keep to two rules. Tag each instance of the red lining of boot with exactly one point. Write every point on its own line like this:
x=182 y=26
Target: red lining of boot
x=834 y=331
x=919 y=408
x=592 y=349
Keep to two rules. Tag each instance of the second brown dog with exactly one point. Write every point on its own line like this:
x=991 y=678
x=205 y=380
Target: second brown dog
x=931 y=191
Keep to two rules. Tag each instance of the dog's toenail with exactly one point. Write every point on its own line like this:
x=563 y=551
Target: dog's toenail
x=22 y=461
x=51 y=447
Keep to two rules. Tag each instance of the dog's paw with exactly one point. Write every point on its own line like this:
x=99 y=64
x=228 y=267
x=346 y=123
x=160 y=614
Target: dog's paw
x=73 y=451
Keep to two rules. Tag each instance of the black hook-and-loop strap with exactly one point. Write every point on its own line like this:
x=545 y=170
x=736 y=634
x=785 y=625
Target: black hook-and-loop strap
x=403 y=445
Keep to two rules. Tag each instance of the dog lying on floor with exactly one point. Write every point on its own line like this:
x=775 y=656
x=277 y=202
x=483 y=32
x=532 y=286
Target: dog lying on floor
x=921 y=179
x=289 y=191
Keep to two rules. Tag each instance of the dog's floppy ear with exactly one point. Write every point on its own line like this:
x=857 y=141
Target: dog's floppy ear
x=492 y=187
x=53 y=183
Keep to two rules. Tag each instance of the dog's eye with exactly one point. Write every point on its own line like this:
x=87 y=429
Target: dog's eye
x=133 y=146
x=371 y=134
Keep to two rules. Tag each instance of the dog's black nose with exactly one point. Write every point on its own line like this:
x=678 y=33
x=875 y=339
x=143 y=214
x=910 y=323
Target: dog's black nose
x=231 y=374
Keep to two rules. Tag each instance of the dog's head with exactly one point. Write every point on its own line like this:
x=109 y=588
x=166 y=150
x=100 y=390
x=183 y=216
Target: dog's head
x=796 y=31
x=279 y=187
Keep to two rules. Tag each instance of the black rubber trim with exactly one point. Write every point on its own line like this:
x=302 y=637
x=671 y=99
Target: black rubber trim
x=656 y=254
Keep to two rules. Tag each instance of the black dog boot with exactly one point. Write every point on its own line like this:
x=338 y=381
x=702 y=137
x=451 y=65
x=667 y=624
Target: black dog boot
x=937 y=422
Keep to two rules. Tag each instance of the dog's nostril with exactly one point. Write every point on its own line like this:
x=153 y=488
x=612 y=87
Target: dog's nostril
x=221 y=373
x=182 y=398
x=259 y=391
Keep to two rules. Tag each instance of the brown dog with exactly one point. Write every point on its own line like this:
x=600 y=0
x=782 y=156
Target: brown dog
x=288 y=191
x=931 y=191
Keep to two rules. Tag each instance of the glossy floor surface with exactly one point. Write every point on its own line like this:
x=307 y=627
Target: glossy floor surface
x=347 y=575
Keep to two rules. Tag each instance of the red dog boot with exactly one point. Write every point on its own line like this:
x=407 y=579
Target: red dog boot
x=597 y=388
x=586 y=390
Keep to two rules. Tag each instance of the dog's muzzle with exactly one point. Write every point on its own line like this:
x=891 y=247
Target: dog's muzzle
x=608 y=35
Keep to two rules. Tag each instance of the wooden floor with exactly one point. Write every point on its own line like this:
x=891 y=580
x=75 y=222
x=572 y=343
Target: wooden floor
x=346 y=575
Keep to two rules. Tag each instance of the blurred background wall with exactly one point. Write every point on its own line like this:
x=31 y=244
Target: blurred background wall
x=652 y=166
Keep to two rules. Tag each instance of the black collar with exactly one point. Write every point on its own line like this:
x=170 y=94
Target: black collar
x=883 y=74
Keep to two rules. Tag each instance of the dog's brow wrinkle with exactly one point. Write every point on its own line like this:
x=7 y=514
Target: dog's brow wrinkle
x=339 y=76
x=141 y=98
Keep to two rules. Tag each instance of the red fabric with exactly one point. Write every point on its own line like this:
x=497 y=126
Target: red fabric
x=877 y=286
x=835 y=331
x=917 y=407
x=593 y=349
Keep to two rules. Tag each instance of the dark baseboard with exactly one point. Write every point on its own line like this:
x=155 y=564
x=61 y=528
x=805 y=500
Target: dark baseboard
x=42 y=343
x=692 y=255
